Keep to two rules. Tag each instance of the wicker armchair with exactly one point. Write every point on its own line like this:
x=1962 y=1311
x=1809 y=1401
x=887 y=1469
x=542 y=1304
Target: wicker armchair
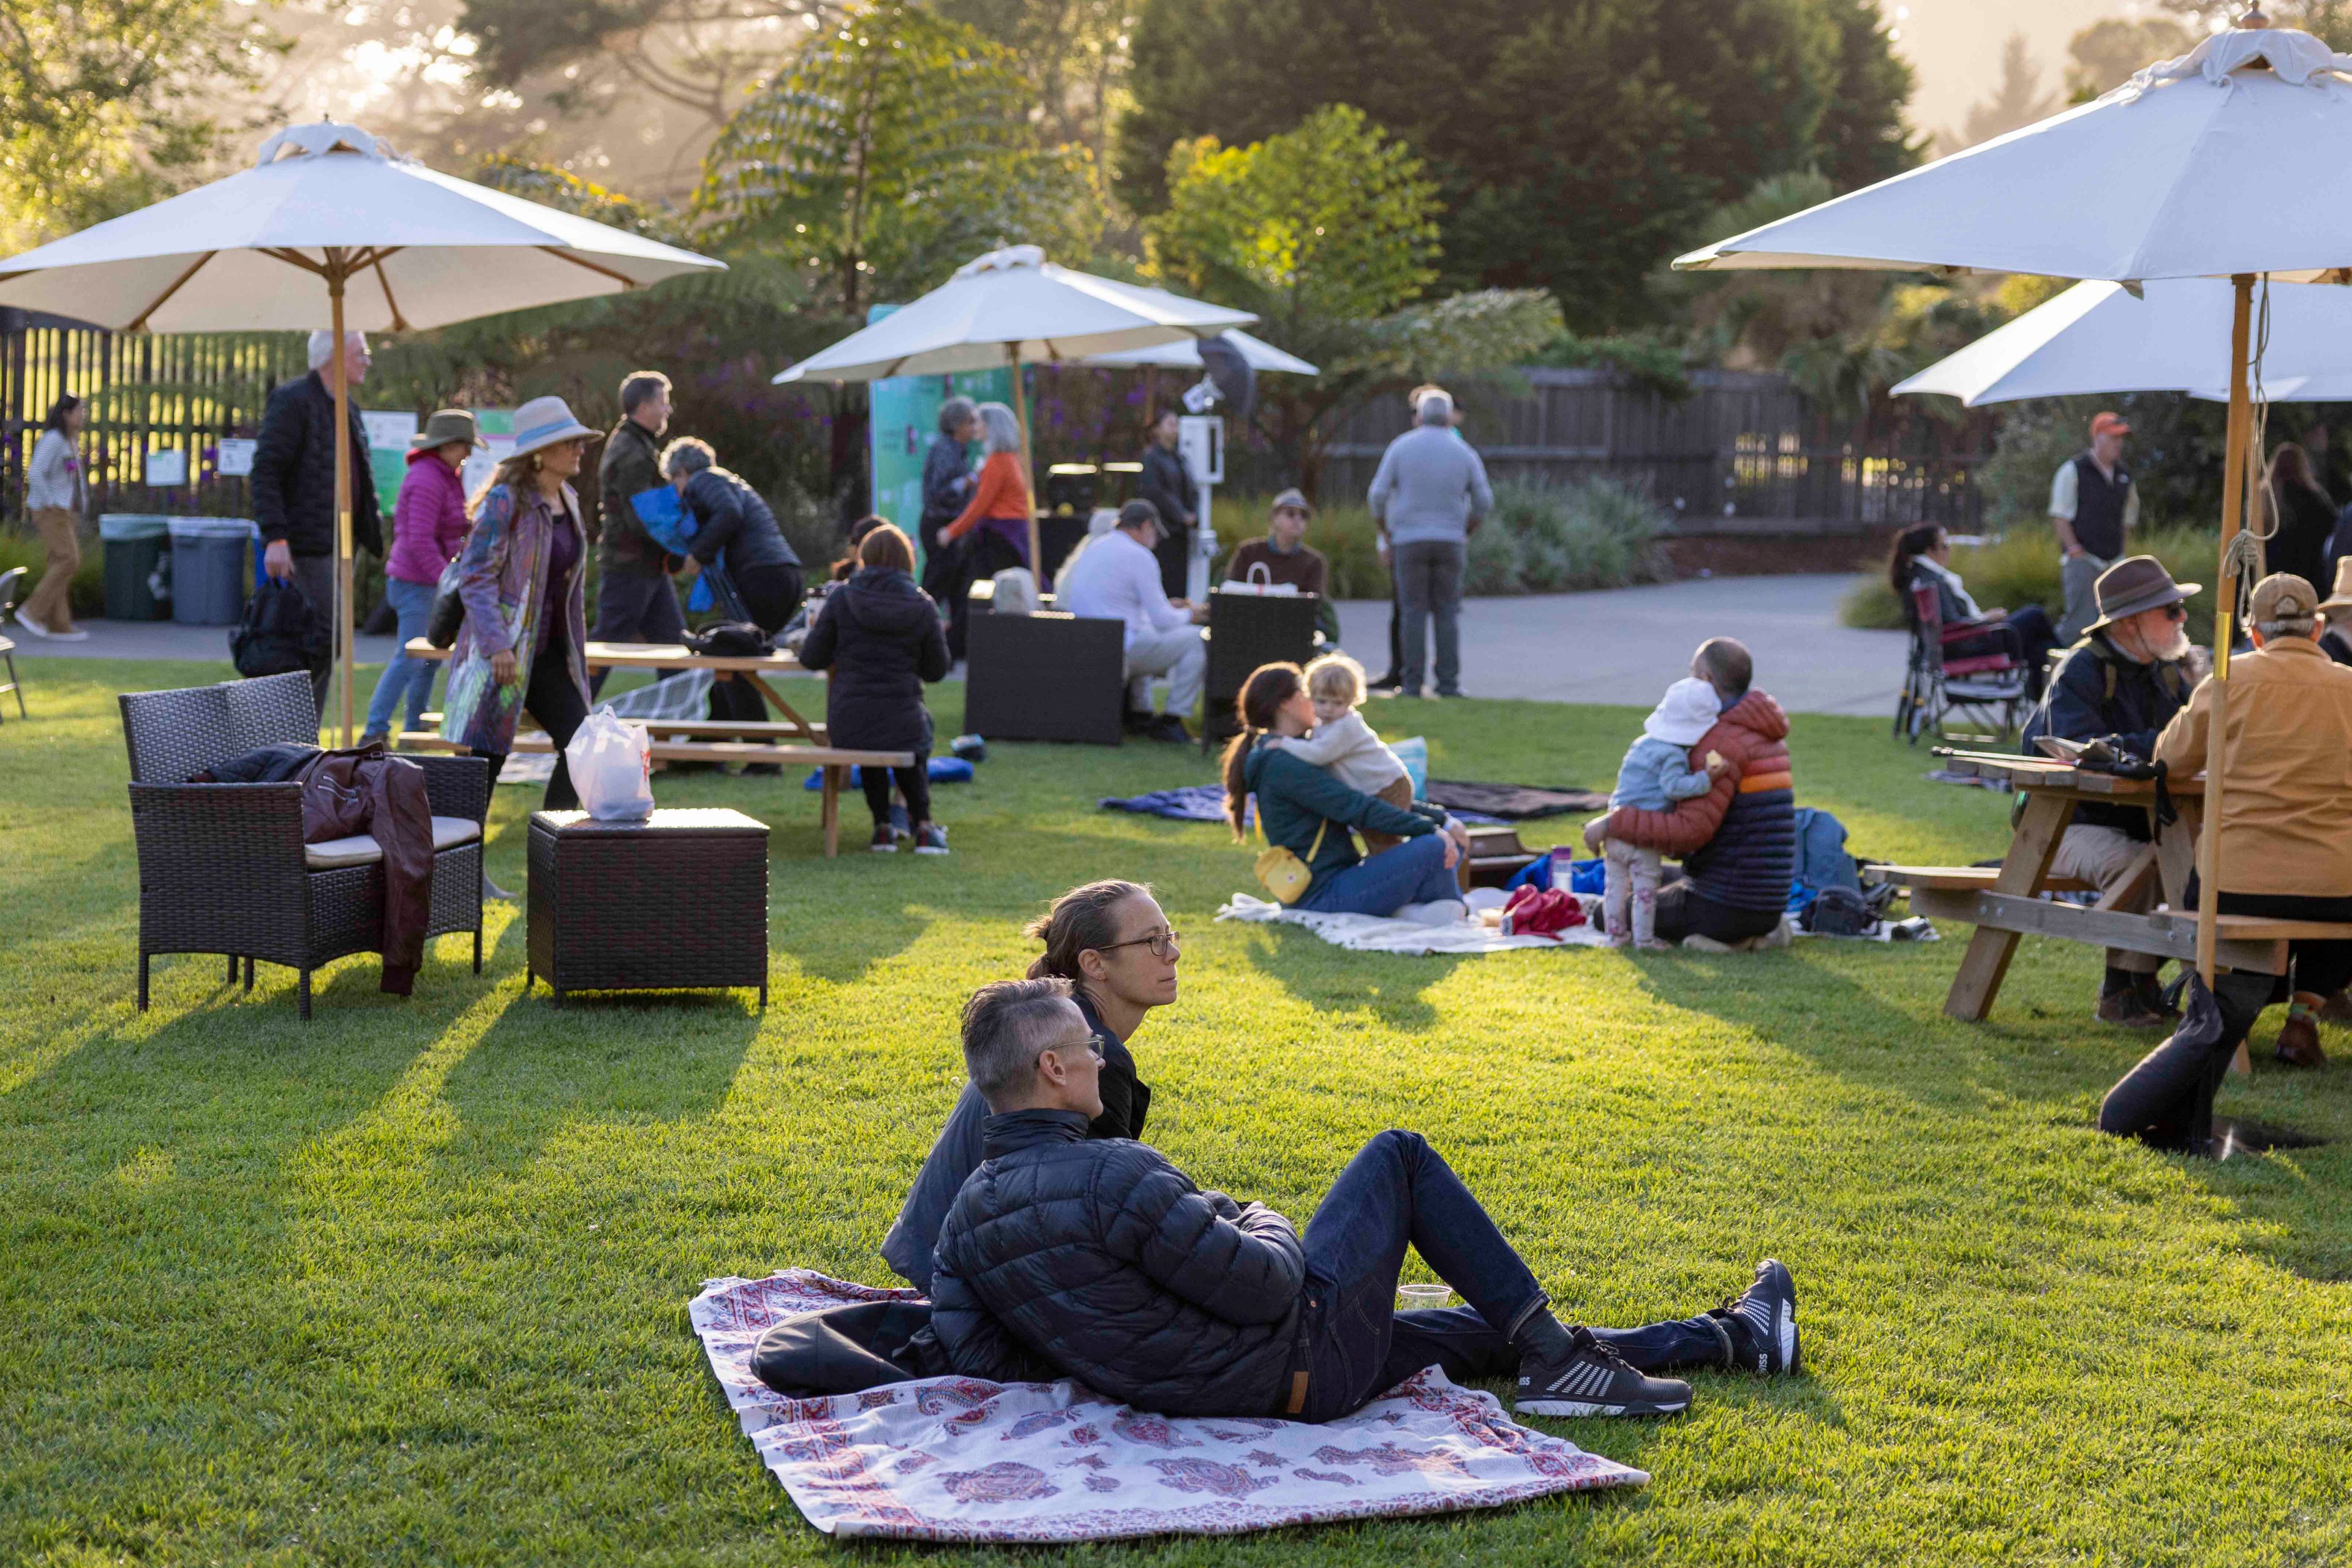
x=222 y=867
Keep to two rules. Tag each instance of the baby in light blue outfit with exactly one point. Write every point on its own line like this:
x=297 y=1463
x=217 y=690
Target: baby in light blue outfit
x=1656 y=772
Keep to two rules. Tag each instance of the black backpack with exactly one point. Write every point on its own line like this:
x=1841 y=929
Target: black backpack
x=280 y=633
x=1839 y=911
x=731 y=639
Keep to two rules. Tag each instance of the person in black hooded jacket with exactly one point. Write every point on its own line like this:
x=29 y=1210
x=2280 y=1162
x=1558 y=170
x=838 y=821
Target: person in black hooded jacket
x=880 y=636
x=1098 y=1259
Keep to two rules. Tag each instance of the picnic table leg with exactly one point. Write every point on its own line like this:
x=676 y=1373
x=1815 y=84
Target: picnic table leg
x=783 y=707
x=2035 y=844
x=831 y=812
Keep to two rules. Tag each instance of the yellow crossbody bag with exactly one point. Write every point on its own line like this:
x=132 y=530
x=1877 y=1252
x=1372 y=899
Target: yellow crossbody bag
x=1284 y=874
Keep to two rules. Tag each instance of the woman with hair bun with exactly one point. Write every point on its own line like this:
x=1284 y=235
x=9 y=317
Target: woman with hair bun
x=1112 y=942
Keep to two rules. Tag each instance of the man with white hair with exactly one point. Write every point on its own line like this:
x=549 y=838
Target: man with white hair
x=294 y=483
x=1429 y=496
x=1117 y=578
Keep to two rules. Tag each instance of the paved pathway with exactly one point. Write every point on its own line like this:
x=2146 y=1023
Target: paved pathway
x=1627 y=644
x=1622 y=646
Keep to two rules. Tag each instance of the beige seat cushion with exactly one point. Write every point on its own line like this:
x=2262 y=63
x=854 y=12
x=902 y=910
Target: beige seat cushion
x=361 y=849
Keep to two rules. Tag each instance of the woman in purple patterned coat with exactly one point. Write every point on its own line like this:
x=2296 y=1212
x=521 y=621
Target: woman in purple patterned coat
x=524 y=643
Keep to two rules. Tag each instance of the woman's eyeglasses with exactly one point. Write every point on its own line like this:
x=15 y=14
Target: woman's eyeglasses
x=1162 y=943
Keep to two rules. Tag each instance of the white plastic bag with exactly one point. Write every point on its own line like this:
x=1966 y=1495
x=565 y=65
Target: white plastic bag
x=1262 y=585
x=612 y=768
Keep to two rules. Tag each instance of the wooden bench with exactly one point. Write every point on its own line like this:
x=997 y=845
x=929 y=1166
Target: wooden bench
x=710 y=729
x=835 y=762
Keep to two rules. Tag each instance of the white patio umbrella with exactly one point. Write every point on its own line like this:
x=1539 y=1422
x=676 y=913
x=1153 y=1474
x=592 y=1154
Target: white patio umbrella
x=2097 y=337
x=1012 y=307
x=330 y=228
x=2223 y=162
x=1263 y=357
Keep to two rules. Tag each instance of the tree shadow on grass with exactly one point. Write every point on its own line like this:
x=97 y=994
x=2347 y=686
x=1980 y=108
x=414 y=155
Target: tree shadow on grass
x=1393 y=987
x=1799 y=1001
x=602 y=1058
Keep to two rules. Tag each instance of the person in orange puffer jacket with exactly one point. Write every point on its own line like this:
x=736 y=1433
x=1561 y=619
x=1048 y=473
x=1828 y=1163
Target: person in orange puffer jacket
x=1738 y=841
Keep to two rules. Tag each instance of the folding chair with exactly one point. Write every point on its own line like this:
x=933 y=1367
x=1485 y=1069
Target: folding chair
x=1990 y=685
x=10 y=581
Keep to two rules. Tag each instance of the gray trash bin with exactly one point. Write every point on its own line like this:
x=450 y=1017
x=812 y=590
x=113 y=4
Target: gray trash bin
x=135 y=544
x=208 y=570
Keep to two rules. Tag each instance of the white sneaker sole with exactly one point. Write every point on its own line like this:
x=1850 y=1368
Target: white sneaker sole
x=890 y=849
x=920 y=850
x=1561 y=1408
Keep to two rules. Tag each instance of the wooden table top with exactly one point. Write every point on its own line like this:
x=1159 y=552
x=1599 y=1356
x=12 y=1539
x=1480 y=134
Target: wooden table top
x=2049 y=773
x=653 y=656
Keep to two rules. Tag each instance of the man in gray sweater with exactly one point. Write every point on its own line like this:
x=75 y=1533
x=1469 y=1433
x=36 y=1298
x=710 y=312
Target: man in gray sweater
x=1430 y=495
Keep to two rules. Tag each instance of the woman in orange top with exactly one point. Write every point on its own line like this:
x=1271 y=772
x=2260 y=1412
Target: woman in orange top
x=992 y=531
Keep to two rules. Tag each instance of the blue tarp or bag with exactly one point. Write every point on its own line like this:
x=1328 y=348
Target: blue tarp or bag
x=940 y=770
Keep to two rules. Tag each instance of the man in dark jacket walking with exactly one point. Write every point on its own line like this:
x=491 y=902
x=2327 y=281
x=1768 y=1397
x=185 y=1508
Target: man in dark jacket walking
x=635 y=601
x=2123 y=682
x=1166 y=485
x=1101 y=1261
x=294 y=484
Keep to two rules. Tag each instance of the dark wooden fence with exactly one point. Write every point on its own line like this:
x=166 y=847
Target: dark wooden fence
x=1745 y=453
x=179 y=392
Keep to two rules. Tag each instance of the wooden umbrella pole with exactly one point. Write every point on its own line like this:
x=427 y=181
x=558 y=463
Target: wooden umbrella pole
x=343 y=499
x=2234 y=497
x=1028 y=471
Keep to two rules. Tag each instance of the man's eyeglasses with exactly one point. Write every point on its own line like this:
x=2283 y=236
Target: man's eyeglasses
x=1162 y=943
x=2176 y=612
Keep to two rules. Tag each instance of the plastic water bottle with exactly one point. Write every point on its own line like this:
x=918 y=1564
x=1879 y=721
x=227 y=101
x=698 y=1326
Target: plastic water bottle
x=1563 y=864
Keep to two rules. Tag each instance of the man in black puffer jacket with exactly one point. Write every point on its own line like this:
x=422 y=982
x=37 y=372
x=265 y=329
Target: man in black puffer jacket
x=1101 y=1261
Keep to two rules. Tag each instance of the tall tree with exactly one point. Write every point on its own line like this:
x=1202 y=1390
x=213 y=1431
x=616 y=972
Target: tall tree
x=1073 y=52
x=1328 y=233
x=2105 y=55
x=104 y=104
x=1573 y=146
x=2016 y=101
x=890 y=151
x=1862 y=138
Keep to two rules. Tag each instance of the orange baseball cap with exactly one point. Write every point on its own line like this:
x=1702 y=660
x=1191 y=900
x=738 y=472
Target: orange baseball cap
x=2101 y=423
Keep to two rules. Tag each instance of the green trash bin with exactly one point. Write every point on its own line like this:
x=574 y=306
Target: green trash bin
x=135 y=544
x=208 y=570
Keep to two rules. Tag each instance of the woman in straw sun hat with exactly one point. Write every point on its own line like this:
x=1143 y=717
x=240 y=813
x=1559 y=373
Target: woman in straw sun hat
x=524 y=642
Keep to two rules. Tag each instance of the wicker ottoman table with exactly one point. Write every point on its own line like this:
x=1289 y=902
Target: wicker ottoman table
x=676 y=901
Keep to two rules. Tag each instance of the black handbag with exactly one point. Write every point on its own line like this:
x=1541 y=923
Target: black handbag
x=731 y=639
x=280 y=633
x=448 y=616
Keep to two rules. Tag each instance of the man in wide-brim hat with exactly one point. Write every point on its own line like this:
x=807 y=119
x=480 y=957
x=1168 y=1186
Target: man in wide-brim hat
x=2335 y=609
x=2124 y=682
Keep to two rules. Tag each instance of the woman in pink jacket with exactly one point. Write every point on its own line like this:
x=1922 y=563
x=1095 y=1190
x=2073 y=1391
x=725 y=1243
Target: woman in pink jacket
x=428 y=529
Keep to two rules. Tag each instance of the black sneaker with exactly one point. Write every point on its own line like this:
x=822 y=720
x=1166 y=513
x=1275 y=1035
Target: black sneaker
x=1592 y=1381
x=1169 y=730
x=885 y=842
x=930 y=838
x=1763 y=1323
x=2150 y=991
x=1389 y=683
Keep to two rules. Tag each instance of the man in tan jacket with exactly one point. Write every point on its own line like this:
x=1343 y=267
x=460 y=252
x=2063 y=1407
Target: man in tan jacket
x=2286 y=852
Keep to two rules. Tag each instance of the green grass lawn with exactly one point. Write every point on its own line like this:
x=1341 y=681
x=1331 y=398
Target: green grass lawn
x=407 y=1284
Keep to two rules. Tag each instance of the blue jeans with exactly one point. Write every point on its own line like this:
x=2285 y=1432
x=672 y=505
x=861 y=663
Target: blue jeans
x=1414 y=872
x=411 y=677
x=1399 y=1190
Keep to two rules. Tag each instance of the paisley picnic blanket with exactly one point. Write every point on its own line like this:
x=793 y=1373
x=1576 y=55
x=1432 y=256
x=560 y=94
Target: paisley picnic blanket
x=953 y=1458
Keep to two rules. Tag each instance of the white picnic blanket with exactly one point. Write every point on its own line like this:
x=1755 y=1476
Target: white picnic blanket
x=953 y=1458
x=1372 y=933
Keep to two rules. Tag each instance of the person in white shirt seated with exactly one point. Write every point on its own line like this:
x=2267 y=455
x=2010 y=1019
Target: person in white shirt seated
x=1117 y=578
x=1922 y=559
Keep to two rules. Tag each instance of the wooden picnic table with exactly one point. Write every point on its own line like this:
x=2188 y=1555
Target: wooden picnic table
x=671 y=656
x=2005 y=903
x=690 y=740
